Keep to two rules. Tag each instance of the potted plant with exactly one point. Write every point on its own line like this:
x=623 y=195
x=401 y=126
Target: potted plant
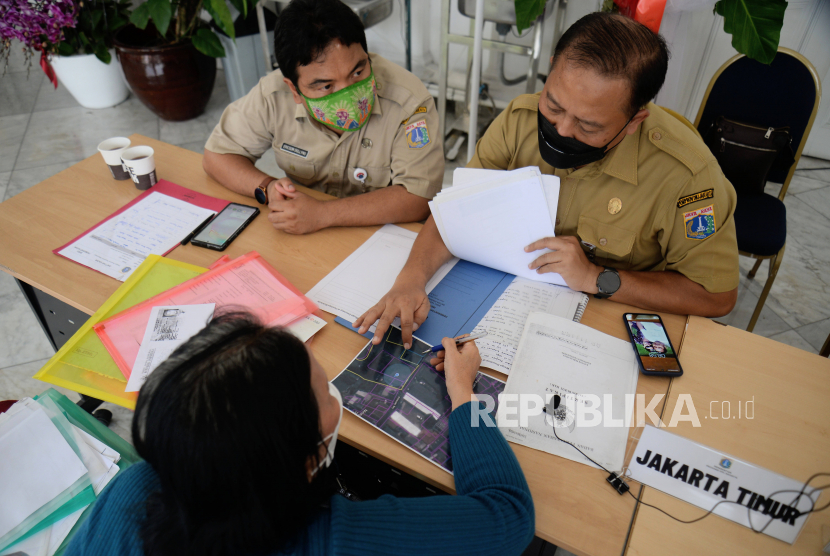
x=75 y=42
x=36 y=25
x=170 y=65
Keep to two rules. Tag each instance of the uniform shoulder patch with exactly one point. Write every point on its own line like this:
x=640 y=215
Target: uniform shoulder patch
x=417 y=135
x=694 y=197
x=421 y=110
x=700 y=223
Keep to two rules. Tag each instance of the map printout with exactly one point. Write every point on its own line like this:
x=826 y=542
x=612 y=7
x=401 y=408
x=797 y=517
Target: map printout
x=397 y=391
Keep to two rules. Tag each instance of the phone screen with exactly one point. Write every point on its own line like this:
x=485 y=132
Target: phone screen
x=225 y=224
x=652 y=343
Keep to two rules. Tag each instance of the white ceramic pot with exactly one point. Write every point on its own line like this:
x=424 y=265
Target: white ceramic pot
x=93 y=83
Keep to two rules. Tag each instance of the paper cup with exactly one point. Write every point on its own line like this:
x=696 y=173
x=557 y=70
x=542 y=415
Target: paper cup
x=141 y=165
x=111 y=150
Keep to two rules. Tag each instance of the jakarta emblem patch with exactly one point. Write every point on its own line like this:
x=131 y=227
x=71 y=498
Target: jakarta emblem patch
x=417 y=135
x=700 y=223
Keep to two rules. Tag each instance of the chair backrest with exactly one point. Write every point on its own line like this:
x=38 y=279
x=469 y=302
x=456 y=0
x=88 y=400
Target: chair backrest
x=682 y=120
x=785 y=93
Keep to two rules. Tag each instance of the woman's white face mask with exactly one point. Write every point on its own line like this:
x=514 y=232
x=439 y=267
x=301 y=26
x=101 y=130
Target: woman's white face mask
x=332 y=438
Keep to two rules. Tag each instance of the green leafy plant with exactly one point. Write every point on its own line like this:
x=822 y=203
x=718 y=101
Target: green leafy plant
x=98 y=21
x=527 y=11
x=177 y=21
x=755 y=26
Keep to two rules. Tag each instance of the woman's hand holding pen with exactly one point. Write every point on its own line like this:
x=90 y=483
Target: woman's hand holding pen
x=460 y=365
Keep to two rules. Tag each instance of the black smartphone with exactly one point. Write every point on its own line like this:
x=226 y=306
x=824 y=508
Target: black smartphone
x=223 y=229
x=652 y=345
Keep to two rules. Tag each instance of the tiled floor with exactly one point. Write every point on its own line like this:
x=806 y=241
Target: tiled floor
x=43 y=131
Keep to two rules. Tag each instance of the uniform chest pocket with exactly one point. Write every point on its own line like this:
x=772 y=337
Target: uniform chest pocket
x=376 y=176
x=614 y=245
x=301 y=170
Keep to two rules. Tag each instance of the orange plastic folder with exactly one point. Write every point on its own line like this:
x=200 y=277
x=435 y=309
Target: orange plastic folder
x=246 y=283
x=83 y=364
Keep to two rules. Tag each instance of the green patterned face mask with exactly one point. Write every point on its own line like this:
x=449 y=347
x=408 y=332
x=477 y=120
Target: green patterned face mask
x=347 y=109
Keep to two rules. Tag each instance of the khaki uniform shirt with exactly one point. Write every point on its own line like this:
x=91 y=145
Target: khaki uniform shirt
x=657 y=201
x=315 y=156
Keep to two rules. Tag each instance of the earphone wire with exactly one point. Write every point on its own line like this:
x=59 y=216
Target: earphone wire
x=800 y=493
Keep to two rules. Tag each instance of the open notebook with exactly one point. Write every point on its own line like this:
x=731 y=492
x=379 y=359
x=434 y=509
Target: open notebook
x=506 y=319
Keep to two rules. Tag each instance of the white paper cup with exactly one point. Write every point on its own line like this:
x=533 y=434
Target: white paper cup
x=142 y=166
x=111 y=150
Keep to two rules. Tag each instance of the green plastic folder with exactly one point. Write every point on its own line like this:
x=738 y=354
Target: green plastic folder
x=83 y=364
x=62 y=411
x=89 y=424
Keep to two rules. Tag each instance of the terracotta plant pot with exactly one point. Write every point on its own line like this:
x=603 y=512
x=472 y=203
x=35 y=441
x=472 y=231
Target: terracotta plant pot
x=174 y=81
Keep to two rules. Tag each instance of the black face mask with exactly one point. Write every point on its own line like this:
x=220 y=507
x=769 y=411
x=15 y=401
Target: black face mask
x=567 y=152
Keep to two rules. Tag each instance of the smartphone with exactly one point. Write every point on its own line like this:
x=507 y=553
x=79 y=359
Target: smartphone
x=652 y=345
x=224 y=228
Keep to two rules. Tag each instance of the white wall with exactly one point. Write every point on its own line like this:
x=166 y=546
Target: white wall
x=387 y=39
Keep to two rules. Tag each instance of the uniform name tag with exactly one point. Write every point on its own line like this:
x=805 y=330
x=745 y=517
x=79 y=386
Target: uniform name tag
x=294 y=150
x=699 y=196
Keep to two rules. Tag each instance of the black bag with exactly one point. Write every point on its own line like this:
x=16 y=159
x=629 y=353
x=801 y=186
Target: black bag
x=747 y=153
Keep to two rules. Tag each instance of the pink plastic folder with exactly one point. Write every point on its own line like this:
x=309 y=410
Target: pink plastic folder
x=167 y=188
x=247 y=283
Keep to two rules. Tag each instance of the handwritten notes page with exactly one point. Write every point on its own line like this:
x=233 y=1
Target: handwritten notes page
x=506 y=319
x=595 y=376
x=153 y=226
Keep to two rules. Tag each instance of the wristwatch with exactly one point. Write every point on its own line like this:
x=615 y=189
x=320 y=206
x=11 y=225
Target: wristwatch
x=608 y=282
x=261 y=192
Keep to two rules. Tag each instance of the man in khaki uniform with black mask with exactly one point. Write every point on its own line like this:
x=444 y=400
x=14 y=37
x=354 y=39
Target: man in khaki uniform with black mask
x=644 y=214
x=339 y=120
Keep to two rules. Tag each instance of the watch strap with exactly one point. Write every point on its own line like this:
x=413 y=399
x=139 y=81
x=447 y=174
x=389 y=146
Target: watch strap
x=264 y=188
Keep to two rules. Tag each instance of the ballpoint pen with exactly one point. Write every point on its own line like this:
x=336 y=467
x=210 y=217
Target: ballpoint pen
x=458 y=342
x=198 y=229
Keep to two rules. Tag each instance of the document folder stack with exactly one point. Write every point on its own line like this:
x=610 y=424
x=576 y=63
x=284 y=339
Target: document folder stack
x=56 y=460
x=98 y=359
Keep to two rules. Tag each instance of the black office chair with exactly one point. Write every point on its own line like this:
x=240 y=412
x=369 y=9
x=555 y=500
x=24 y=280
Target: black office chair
x=784 y=93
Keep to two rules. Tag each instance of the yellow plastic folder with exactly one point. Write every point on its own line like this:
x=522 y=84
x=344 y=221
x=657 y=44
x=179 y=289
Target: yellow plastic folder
x=83 y=364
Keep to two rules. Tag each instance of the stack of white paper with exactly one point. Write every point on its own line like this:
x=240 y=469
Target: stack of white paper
x=489 y=216
x=360 y=281
x=47 y=462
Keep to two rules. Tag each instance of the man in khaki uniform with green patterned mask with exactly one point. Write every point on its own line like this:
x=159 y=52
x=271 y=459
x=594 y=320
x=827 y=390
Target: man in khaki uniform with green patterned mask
x=645 y=215
x=339 y=120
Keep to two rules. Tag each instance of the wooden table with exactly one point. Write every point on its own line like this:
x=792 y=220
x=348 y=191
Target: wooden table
x=575 y=507
x=788 y=434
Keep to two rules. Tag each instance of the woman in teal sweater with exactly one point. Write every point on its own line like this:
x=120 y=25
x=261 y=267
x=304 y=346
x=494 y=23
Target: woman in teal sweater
x=238 y=428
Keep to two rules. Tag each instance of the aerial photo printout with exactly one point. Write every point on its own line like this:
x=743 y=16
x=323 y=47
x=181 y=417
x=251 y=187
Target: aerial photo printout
x=397 y=391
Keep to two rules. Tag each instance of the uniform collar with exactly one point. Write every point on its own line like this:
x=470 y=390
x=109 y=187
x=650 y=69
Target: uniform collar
x=620 y=163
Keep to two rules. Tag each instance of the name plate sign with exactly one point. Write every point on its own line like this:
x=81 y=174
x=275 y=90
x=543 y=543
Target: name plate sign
x=752 y=496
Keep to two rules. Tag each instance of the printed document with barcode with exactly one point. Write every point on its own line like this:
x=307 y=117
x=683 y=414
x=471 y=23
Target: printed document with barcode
x=168 y=328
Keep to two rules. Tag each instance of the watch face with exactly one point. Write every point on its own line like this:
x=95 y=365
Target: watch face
x=608 y=282
x=259 y=195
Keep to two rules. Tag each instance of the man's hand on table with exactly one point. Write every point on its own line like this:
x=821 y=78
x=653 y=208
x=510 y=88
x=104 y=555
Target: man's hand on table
x=566 y=258
x=292 y=211
x=406 y=299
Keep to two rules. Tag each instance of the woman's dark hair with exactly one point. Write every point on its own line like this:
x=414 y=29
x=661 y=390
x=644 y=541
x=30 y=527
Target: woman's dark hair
x=617 y=46
x=228 y=422
x=306 y=28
